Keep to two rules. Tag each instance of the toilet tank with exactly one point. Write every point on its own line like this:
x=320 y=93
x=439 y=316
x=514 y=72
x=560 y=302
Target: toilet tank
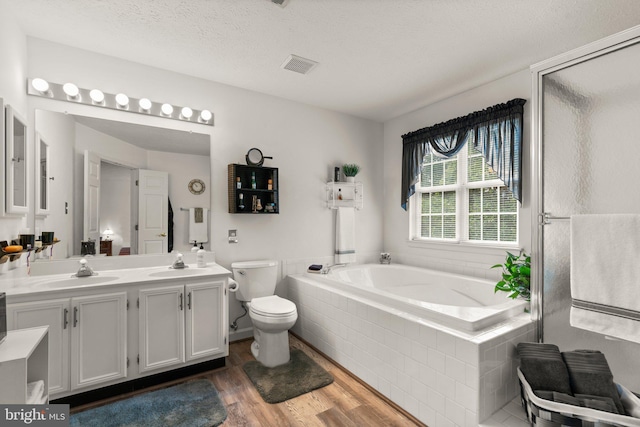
x=255 y=278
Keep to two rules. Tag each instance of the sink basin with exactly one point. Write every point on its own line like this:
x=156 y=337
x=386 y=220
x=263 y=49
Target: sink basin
x=75 y=281
x=175 y=272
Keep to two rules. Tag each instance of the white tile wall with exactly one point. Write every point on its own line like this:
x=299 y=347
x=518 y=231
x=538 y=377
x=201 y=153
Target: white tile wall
x=441 y=376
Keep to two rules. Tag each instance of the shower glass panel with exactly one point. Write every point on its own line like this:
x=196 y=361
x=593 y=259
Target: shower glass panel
x=590 y=165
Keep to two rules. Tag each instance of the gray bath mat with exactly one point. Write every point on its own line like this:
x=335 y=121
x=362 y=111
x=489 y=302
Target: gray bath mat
x=298 y=376
x=191 y=404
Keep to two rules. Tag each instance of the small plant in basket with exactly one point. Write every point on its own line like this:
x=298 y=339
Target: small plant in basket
x=516 y=276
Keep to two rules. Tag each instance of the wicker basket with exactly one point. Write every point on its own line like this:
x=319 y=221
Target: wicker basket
x=542 y=412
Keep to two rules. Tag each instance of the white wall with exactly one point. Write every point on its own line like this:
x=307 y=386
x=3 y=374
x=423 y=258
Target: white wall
x=465 y=259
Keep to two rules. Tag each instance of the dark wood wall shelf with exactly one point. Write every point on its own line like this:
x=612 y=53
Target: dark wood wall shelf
x=269 y=203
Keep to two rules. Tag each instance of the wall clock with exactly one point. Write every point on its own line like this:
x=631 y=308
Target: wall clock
x=196 y=186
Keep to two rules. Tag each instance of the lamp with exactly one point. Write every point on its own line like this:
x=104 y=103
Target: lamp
x=108 y=233
x=41 y=85
x=167 y=109
x=145 y=104
x=122 y=100
x=69 y=92
x=205 y=115
x=186 y=113
x=97 y=96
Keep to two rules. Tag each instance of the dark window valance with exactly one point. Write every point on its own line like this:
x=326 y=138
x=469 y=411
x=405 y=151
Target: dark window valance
x=496 y=132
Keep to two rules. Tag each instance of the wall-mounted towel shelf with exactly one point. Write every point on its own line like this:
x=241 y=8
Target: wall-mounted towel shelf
x=344 y=194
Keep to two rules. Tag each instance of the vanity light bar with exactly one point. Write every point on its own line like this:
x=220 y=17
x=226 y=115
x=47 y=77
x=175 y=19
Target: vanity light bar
x=69 y=92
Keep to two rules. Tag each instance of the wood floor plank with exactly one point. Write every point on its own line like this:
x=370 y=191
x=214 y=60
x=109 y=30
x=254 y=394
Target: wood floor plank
x=345 y=402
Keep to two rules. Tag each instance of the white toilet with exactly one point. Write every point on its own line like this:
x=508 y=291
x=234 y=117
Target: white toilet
x=271 y=315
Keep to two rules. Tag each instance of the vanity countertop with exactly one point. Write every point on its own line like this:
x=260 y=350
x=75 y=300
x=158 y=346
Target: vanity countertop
x=39 y=284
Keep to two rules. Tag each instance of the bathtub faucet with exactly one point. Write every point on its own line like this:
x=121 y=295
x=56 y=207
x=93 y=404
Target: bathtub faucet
x=385 y=258
x=327 y=269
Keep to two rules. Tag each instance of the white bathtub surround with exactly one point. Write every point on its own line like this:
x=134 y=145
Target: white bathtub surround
x=443 y=376
x=345 y=235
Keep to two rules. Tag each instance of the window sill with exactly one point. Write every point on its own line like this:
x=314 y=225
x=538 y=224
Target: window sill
x=484 y=248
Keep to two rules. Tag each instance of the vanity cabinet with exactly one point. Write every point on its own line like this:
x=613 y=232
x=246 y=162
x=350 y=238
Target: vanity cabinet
x=180 y=323
x=243 y=192
x=87 y=337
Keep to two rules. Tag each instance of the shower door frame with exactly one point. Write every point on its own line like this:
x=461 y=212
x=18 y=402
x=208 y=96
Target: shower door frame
x=538 y=215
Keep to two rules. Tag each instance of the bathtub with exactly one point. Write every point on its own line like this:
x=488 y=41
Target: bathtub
x=439 y=345
x=453 y=300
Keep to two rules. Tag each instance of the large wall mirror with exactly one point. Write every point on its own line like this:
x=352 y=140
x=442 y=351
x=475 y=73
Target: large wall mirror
x=101 y=169
x=16 y=153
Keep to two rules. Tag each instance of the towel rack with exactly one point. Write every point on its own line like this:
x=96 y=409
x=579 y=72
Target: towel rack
x=546 y=218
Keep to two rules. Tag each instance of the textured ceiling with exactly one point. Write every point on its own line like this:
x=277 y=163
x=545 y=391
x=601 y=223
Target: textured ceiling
x=377 y=58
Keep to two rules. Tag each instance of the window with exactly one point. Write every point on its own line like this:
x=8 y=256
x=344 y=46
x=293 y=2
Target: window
x=463 y=201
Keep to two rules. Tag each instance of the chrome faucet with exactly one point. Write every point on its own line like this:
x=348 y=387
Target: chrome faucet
x=327 y=269
x=385 y=258
x=178 y=263
x=85 y=270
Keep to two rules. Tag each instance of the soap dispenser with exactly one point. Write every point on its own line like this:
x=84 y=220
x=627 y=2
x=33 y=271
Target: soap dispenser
x=195 y=247
x=200 y=257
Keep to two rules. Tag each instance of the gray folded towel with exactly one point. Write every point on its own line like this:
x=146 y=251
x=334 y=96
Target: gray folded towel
x=589 y=374
x=543 y=367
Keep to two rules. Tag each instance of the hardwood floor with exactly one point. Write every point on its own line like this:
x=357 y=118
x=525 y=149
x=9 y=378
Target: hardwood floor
x=345 y=402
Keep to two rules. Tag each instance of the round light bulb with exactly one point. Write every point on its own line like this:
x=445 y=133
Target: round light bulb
x=186 y=112
x=145 y=104
x=122 y=100
x=97 y=96
x=167 y=109
x=70 y=89
x=205 y=115
x=41 y=85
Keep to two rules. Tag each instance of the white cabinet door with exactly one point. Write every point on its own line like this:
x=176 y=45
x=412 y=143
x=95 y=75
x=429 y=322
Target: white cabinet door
x=54 y=314
x=205 y=311
x=161 y=327
x=98 y=338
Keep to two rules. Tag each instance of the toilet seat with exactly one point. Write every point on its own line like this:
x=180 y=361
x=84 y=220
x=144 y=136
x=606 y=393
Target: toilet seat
x=272 y=306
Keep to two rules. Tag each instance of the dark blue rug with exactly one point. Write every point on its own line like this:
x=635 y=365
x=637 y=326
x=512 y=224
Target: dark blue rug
x=191 y=404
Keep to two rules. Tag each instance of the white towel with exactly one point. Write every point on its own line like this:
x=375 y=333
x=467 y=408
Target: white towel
x=345 y=235
x=198 y=231
x=605 y=274
x=35 y=391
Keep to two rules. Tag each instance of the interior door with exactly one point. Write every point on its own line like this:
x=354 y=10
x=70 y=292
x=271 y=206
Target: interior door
x=91 y=196
x=153 y=196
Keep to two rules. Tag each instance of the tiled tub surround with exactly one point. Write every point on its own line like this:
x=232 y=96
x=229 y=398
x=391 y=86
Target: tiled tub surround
x=442 y=376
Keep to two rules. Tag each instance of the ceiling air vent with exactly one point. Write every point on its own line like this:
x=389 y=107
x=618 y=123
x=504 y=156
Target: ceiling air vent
x=298 y=64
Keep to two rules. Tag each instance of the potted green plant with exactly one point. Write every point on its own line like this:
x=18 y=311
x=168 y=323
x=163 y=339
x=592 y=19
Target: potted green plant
x=516 y=276
x=350 y=171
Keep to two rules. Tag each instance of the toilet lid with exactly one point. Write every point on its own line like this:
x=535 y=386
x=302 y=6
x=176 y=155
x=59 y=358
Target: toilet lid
x=272 y=305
